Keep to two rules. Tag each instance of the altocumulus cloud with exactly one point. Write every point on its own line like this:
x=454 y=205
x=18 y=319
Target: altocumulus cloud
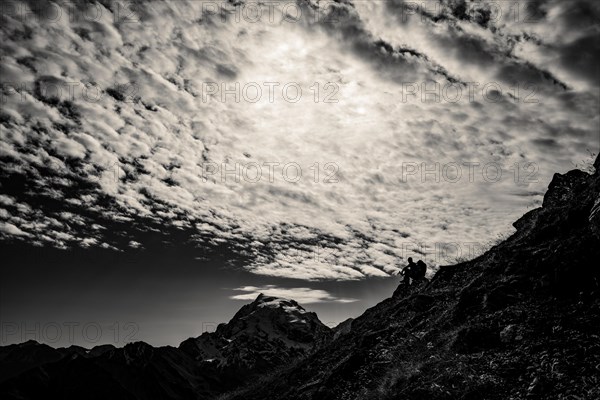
x=134 y=129
x=302 y=295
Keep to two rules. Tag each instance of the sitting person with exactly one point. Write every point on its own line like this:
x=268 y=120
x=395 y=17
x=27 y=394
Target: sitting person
x=408 y=271
x=420 y=271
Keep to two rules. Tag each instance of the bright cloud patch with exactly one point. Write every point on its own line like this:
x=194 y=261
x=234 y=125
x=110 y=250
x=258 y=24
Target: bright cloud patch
x=301 y=295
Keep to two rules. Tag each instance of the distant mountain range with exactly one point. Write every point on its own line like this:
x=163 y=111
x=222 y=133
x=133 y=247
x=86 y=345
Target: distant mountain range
x=263 y=335
x=519 y=322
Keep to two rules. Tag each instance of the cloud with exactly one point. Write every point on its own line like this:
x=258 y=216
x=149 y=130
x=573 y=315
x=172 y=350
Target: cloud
x=302 y=295
x=134 y=245
x=10 y=229
x=111 y=121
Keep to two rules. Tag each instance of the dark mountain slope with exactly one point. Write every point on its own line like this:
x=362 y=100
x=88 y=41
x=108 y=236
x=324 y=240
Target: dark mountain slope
x=520 y=321
x=136 y=371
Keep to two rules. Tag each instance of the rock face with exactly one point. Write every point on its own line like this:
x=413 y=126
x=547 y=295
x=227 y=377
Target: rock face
x=262 y=336
x=517 y=322
x=567 y=222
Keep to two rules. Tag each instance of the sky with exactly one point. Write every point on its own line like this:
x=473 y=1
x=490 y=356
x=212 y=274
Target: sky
x=164 y=162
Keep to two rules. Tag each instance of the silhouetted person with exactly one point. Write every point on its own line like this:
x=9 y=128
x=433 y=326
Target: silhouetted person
x=408 y=271
x=419 y=271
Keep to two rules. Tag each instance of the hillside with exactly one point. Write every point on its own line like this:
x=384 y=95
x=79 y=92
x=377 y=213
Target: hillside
x=518 y=322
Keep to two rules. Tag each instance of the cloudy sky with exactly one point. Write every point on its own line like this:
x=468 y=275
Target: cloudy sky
x=164 y=163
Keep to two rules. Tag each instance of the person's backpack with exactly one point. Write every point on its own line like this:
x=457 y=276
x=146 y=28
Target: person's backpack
x=421 y=270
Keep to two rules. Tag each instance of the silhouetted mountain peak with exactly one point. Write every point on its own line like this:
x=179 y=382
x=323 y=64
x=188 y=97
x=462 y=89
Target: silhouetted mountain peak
x=271 y=300
x=277 y=303
x=263 y=300
x=267 y=331
x=29 y=343
x=260 y=297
